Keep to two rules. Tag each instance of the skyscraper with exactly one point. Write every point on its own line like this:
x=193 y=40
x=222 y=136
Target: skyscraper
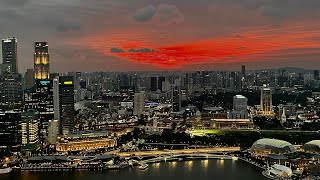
x=10 y=131
x=239 y=111
x=44 y=107
x=41 y=60
x=266 y=101
x=154 y=84
x=29 y=130
x=176 y=99
x=138 y=103
x=160 y=81
x=240 y=103
x=316 y=74
x=9 y=56
x=11 y=91
x=243 y=70
x=29 y=81
x=64 y=110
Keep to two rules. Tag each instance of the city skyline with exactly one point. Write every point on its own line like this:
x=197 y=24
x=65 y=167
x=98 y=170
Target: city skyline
x=165 y=35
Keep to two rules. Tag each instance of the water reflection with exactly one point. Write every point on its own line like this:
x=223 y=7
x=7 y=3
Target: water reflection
x=156 y=165
x=173 y=164
x=220 y=163
x=205 y=163
x=188 y=165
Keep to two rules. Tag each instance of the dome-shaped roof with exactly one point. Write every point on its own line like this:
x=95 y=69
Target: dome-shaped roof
x=266 y=146
x=312 y=146
x=314 y=142
x=273 y=142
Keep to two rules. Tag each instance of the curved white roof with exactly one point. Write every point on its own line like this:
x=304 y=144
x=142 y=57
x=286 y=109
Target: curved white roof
x=314 y=142
x=285 y=169
x=273 y=142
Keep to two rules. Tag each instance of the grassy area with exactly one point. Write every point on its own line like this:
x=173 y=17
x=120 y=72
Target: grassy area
x=217 y=131
x=263 y=133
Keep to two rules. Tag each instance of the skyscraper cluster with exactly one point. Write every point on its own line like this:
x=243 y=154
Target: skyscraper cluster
x=38 y=107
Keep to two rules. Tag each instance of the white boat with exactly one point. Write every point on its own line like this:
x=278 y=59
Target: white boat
x=143 y=166
x=234 y=158
x=5 y=170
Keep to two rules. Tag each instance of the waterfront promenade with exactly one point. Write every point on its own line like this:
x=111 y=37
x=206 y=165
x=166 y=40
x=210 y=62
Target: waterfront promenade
x=176 y=152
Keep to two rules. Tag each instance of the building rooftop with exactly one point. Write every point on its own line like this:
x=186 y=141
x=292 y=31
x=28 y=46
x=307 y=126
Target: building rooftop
x=240 y=97
x=273 y=142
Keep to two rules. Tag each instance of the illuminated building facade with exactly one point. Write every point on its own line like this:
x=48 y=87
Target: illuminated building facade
x=64 y=110
x=9 y=56
x=45 y=108
x=29 y=130
x=266 y=101
x=41 y=60
x=85 y=144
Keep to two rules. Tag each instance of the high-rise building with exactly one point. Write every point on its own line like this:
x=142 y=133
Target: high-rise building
x=10 y=131
x=266 y=101
x=154 y=84
x=44 y=106
x=53 y=131
x=243 y=70
x=176 y=99
x=316 y=75
x=29 y=131
x=64 y=112
x=41 y=60
x=161 y=80
x=29 y=81
x=239 y=111
x=11 y=91
x=9 y=56
x=240 y=103
x=138 y=104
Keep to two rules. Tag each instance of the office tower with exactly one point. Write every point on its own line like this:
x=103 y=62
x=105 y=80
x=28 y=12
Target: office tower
x=176 y=99
x=9 y=56
x=316 y=75
x=239 y=108
x=29 y=79
x=41 y=60
x=29 y=131
x=53 y=131
x=138 y=104
x=10 y=131
x=154 y=84
x=243 y=70
x=11 y=91
x=240 y=103
x=64 y=111
x=160 y=81
x=44 y=106
x=266 y=101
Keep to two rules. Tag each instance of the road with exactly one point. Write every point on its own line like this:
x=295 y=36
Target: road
x=176 y=152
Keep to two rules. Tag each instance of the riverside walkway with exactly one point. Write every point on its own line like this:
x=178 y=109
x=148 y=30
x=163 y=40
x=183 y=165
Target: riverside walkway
x=253 y=163
x=177 y=152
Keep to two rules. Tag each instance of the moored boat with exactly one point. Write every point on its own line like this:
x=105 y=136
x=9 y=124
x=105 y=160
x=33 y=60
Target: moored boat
x=143 y=166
